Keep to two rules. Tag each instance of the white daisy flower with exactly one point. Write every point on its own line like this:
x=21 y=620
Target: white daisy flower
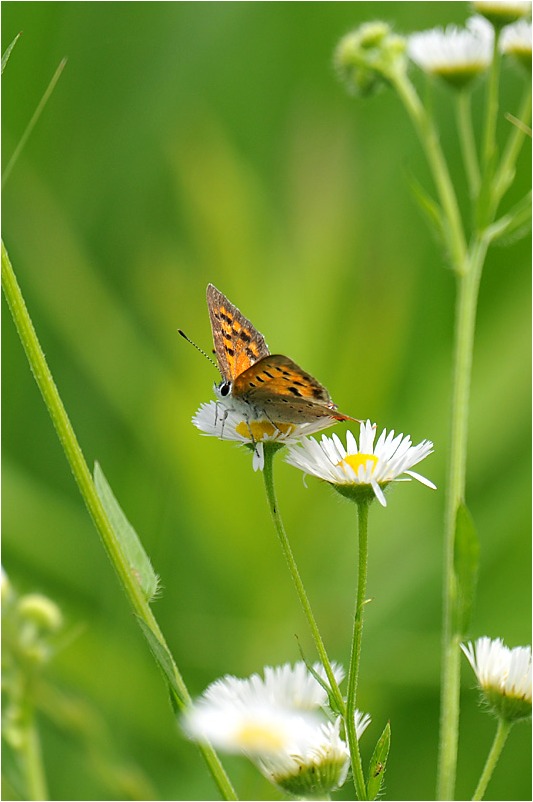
x=364 y=467
x=320 y=764
x=504 y=676
x=218 y=419
x=457 y=55
x=276 y=722
x=516 y=42
x=502 y=12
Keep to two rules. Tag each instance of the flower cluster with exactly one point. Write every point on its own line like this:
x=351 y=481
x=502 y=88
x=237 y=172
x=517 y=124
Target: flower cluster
x=282 y=723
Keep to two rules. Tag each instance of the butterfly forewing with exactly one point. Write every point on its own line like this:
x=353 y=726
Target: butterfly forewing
x=238 y=345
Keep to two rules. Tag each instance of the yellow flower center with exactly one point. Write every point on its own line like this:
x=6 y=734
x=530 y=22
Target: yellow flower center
x=257 y=430
x=356 y=460
x=257 y=737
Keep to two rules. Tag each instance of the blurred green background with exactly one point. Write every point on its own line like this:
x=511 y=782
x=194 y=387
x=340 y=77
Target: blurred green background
x=195 y=142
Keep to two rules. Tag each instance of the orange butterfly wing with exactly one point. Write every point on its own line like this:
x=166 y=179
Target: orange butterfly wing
x=238 y=345
x=276 y=380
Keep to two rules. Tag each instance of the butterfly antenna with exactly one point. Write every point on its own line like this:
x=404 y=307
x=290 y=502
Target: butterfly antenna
x=198 y=348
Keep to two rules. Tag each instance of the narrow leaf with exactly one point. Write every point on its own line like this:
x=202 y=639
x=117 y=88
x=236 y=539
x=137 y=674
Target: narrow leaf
x=322 y=682
x=466 y=562
x=132 y=548
x=5 y=57
x=378 y=761
x=429 y=207
x=164 y=661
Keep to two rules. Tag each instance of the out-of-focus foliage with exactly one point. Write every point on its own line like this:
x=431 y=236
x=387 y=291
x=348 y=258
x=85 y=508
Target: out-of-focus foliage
x=196 y=142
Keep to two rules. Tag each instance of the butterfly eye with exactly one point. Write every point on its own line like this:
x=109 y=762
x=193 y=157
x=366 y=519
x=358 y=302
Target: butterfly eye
x=224 y=389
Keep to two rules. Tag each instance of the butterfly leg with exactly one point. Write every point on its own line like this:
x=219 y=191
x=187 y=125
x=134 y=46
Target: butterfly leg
x=224 y=416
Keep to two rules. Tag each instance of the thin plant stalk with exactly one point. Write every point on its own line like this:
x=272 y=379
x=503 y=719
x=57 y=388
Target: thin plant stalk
x=467 y=140
x=503 y=730
x=295 y=575
x=355 y=656
x=343 y=708
x=32 y=758
x=33 y=121
x=87 y=489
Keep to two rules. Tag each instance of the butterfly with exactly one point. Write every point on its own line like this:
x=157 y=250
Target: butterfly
x=260 y=384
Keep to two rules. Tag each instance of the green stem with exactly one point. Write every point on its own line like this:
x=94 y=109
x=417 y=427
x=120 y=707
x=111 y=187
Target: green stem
x=491 y=109
x=87 y=489
x=295 y=574
x=33 y=759
x=503 y=730
x=488 y=155
x=467 y=293
x=467 y=141
x=355 y=656
x=429 y=140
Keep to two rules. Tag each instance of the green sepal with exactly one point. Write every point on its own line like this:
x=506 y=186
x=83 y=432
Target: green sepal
x=132 y=548
x=378 y=762
x=5 y=57
x=466 y=563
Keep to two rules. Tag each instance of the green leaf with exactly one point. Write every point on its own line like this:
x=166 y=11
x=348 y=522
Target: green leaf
x=429 y=207
x=378 y=761
x=132 y=548
x=5 y=57
x=466 y=562
x=165 y=663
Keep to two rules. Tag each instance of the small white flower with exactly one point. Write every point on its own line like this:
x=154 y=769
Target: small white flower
x=516 y=41
x=278 y=723
x=454 y=54
x=294 y=686
x=503 y=674
x=319 y=765
x=367 y=465
x=502 y=12
x=226 y=422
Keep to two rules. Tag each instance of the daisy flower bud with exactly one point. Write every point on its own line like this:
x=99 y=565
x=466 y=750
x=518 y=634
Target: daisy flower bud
x=455 y=55
x=502 y=12
x=504 y=676
x=366 y=57
x=361 y=472
x=516 y=42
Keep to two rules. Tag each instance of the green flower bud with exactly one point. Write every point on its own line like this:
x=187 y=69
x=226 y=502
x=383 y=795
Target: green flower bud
x=366 y=58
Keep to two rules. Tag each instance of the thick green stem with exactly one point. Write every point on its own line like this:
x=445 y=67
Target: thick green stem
x=465 y=319
x=504 y=728
x=295 y=575
x=355 y=656
x=87 y=489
